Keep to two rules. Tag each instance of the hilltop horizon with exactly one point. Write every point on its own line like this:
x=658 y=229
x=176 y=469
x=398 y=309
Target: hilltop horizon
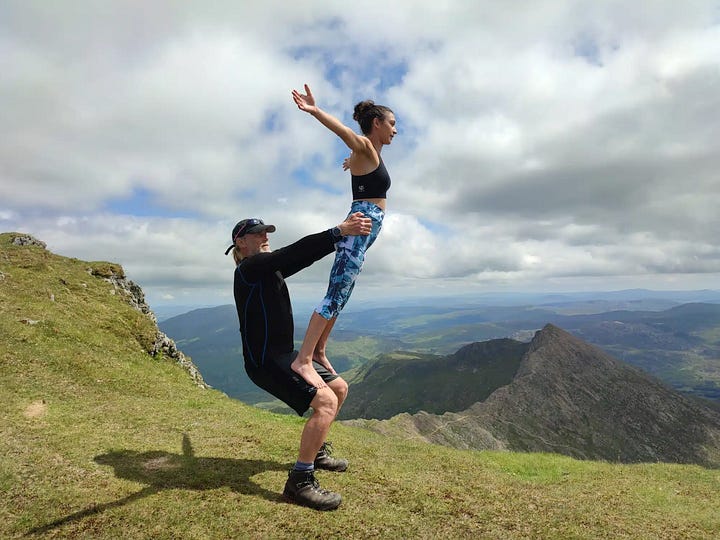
x=361 y=302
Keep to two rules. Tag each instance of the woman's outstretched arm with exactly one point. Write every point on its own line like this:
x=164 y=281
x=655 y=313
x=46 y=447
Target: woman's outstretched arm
x=306 y=102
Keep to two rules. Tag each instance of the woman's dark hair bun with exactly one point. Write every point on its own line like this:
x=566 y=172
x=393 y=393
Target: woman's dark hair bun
x=364 y=113
x=362 y=108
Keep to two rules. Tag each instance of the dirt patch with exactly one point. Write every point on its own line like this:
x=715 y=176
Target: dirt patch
x=161 y=463
x=36 y=409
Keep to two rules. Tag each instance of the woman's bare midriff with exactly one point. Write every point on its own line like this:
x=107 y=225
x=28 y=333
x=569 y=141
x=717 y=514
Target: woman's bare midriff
x=378 y=202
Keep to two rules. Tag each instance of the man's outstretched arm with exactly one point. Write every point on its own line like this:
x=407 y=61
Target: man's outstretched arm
x=355 y=224
x=299 y=255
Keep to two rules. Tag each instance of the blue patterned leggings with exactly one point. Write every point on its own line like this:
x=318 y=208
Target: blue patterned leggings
x=349 y=258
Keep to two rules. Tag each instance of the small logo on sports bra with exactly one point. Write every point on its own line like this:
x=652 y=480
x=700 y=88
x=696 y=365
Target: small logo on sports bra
x=361 y=188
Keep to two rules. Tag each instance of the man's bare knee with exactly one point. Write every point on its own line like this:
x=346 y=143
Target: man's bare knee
x=340 y=388
x=324 y=402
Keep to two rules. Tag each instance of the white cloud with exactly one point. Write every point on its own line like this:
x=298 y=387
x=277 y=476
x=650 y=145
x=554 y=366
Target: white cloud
x=541 y=143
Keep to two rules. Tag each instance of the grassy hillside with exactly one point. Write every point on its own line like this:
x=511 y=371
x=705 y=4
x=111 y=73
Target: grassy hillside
x=101 y=440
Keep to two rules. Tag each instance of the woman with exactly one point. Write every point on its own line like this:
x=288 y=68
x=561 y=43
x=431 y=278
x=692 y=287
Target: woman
x=370 y=183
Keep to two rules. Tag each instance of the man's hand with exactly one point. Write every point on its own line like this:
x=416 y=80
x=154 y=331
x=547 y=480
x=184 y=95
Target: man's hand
x=356 y=225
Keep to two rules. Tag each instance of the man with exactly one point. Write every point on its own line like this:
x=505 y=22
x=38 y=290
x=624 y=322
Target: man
x=266 y=324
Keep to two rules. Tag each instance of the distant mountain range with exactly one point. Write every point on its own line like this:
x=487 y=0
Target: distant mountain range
x=407 y=382
x=555 y=392
x=680 y=345
x=564 y=396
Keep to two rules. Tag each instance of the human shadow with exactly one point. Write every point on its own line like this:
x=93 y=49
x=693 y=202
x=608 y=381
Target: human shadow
x=161 y=470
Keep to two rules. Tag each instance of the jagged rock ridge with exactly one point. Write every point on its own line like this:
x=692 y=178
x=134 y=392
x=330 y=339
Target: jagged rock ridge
x=135 y=296
x=571 y=398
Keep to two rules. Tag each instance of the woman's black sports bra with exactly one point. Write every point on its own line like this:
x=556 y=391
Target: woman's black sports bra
x=373 y=185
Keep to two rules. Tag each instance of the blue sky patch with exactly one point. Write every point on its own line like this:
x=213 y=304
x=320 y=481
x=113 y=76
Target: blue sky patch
x=145 y=203
x=305 y=176
x=272 y=122
x=437 y=228
x=585 y=46
x=345 y=65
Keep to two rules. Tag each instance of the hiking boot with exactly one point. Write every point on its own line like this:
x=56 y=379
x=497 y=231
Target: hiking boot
x=324 y=461
x=302 y=488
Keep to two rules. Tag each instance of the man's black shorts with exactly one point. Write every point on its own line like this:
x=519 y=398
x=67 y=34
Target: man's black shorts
x=277 y=377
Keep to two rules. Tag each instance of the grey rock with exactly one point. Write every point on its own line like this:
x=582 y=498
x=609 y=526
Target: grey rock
x=27 y=240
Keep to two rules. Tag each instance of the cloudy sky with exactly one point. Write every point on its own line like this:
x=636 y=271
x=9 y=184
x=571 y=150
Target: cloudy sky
x=542 y=146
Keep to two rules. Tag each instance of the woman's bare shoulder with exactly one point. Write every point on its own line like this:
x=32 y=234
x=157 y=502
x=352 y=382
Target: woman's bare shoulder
x=365 y=161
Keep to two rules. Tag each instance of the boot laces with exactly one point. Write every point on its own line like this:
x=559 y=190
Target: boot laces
x=311 y=481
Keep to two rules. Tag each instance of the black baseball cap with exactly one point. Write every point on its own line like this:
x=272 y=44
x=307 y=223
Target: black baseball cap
x=250 y=225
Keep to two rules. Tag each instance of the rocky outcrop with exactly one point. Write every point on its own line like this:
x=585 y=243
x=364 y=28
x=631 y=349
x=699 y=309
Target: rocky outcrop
x=27 y=240
x=134 y=295
x=167 y=347
x=156 y=344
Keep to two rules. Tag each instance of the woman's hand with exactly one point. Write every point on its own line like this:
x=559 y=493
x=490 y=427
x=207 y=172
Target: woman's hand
x=305 y=102
x=356 y=143
x=346 y=164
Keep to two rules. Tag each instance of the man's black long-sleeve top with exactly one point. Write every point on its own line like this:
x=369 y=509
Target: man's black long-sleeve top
x=262 y=299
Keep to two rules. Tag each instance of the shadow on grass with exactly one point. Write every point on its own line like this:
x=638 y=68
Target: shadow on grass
x=165 y=470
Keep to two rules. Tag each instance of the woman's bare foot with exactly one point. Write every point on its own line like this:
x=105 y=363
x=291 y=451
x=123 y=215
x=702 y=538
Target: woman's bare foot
x=321 y=359
x=307 y=372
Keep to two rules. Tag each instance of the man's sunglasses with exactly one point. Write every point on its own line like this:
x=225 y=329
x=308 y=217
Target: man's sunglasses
x=248 y=224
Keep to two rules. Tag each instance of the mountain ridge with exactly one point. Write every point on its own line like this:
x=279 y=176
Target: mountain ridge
x=572 y=398
x=680 y=345
x=435 y=384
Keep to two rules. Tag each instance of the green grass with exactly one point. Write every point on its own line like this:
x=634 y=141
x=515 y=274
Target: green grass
x=100 y=440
